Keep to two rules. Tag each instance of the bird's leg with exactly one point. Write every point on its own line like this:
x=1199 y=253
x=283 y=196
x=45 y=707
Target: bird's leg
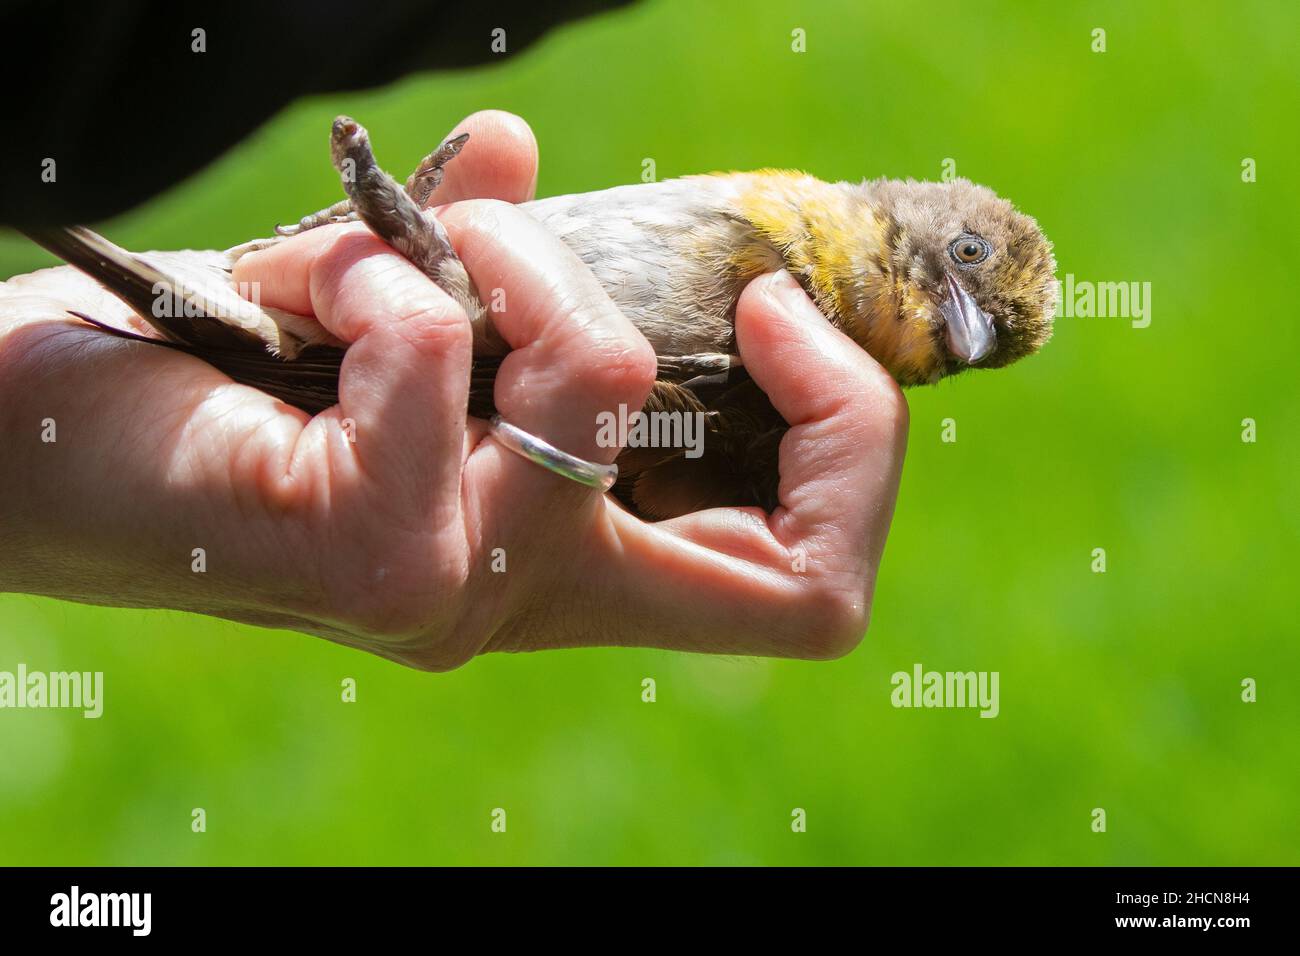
x=395 y=217
x=390 y=212
x=419 y=186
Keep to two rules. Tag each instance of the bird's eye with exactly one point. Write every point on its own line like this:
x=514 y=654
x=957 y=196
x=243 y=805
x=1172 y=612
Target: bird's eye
x=969 y=250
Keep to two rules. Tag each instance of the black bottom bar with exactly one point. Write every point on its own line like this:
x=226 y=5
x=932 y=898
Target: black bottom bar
x=235 y=905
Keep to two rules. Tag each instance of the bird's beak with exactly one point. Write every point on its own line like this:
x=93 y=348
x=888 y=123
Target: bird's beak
x=971 y=335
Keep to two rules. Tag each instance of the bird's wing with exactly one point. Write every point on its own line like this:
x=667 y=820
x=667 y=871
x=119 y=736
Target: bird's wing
x=189 y=297
x=737 y=460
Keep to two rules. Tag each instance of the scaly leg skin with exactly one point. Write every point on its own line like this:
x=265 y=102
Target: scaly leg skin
x=341 y=211
x=386 y=207
x=394 y=215
x=419 y=186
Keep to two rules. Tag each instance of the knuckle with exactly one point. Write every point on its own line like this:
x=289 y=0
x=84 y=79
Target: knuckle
x=888 y=416
x=405 y=605
x=893 y=403
x=437 y=327
x=623 y=368
x=402 y=623
x=438 y=658
x=834 y=623
x=408 y=610
x=454 y=643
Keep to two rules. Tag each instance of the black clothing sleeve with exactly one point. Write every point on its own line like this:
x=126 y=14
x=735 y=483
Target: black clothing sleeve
x=116 y=95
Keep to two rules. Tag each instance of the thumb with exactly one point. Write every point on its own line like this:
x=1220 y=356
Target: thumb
x=841 y=460
x=807 y=367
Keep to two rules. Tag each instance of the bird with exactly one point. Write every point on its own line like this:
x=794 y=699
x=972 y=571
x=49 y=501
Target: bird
x=932 y=279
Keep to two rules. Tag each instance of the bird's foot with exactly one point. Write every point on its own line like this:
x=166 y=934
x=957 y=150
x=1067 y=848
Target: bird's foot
x=341 y=211
x=427 y=177
x=420 y=186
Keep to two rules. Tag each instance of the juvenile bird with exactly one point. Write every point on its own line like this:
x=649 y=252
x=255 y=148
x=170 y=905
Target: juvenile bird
x=930 y=278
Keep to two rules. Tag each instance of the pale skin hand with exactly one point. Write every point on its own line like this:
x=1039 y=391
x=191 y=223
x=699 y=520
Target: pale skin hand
x=387 y=543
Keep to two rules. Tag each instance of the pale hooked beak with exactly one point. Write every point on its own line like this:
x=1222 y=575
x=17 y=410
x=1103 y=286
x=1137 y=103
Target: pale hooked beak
x=971 y=335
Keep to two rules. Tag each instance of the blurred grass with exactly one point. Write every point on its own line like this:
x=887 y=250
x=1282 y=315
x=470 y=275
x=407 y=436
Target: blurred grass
x=1119 y=690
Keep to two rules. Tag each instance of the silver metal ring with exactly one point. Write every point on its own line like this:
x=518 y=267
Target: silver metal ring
x=529 y=446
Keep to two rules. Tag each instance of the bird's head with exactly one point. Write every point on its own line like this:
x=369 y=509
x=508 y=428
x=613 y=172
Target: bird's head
x=960 y=279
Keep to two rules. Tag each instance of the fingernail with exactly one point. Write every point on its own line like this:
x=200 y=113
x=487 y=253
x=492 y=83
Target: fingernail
x=789 y=294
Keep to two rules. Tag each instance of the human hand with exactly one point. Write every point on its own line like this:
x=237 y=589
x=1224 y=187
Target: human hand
x=389 y=542
x=572 y=567
x=136 y=475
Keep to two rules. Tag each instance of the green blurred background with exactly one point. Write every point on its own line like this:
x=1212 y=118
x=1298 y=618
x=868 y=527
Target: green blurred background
x=1118 y=690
